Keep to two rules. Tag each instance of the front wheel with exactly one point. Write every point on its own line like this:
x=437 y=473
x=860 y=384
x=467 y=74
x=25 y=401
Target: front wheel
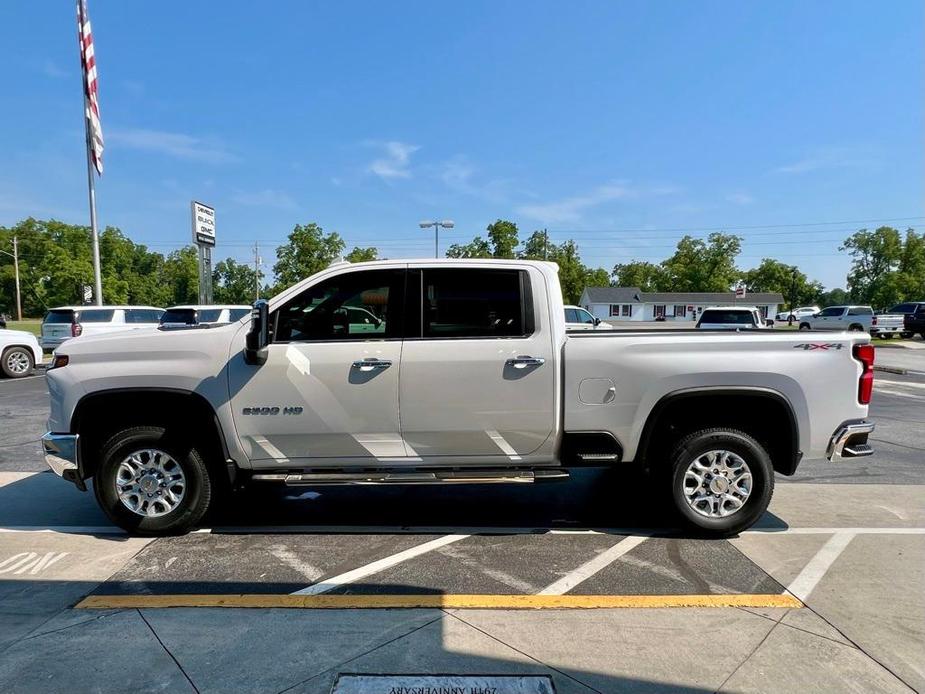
x=722 y=481
x=17 y=362
x=150 y=483
x=805 y=326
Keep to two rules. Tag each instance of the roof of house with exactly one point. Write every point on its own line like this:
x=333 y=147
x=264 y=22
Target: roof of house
x=625 y=295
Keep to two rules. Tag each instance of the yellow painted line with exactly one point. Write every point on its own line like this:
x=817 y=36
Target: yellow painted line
x=505 y=602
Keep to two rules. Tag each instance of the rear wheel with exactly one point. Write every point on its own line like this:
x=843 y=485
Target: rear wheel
x=17 y=362
x=151 y=484
x=805 y=326
x=856 y=327
x=721 y=482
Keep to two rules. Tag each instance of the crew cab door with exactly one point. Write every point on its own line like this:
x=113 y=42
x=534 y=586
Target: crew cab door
x=829 y=319
x=328 y=392
x=478 y=370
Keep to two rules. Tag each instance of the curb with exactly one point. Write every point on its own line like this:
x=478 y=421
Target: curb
x=891 y=369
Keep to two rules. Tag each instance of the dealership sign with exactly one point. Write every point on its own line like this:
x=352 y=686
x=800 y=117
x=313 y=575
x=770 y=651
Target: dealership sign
x=203 y=224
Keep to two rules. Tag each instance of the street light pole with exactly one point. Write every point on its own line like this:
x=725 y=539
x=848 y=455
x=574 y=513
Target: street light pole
x=446 y=224
x=15 y=256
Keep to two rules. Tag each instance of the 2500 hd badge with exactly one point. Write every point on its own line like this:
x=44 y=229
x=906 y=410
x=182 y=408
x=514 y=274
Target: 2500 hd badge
x=270 y=410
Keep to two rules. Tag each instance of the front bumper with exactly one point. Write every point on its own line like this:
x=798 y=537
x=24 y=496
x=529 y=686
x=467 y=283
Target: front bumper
x=61 y=456
x=850 y=441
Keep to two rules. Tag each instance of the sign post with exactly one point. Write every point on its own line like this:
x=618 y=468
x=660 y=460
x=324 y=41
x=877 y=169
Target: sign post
x=203 y=220
x=740 y=293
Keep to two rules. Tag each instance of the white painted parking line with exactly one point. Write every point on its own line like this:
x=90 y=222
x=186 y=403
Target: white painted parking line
x=898 y=393
x=588 y=569
x=377 y=566
x=907 y=384
x=812 y=573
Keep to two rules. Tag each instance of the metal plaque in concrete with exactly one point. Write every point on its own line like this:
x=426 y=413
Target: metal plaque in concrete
x=443 y=684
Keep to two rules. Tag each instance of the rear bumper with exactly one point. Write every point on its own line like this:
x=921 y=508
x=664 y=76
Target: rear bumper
x=850 y=441
x=61 y=456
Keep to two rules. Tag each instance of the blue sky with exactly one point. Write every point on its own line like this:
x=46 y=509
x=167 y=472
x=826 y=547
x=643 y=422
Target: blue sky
x=618 y=124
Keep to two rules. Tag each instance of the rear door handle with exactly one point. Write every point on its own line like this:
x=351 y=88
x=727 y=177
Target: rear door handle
x=371 y=364
x=524 y=362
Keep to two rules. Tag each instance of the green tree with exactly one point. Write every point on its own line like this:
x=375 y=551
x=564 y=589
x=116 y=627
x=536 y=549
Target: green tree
x=537 y=246
x=234 y=282
x=361 y=255
x=912 y=267
x=307 y=251
x=181 y=275
x=703 y=266
x=833 y=297
x=774 y=276
x=477 y=248
x=649 y=277
x=876 y=257
x=503 y=237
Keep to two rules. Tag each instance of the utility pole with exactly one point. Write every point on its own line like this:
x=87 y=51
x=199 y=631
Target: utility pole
x=16 y=270
x=256 y=271
x=545 y=243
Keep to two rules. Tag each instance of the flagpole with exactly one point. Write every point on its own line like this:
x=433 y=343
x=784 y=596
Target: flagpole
x=91 y=183
x=91 y=187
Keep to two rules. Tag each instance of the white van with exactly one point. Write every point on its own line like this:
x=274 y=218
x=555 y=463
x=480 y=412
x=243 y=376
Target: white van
x=66 y=322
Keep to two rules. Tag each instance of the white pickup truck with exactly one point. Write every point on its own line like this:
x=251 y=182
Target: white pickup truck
x=460 y=371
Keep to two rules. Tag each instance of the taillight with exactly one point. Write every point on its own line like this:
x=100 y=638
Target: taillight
x=874 y=321
x=865 y=355
x=76 y=329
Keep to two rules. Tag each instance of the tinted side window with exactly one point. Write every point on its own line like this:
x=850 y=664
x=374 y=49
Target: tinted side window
x=463 y=302
x=860 y=311
x=584 y=317
x=209 y=315
x=832 y=311
x=735 y=317
x=96 y=316
x=238 y=313
x=903 y=308
x=571 y=316
x=59 y=317
x=355 y=306
x=142 y=315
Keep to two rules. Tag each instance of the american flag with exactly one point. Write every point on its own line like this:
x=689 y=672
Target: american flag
x=91 y=100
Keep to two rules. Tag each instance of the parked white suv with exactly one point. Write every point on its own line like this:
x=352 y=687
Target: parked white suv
x=66 y=322
x=204 y=314
x=19 y=353
x=577 y=318
x=732 y=318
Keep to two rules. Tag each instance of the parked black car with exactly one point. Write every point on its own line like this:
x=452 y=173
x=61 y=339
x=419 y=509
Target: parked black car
x=914 y=322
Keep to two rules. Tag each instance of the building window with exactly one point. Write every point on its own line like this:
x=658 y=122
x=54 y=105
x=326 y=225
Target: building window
x=627 y=310
x=658 y=310
x=614 y=310
x=680 y=311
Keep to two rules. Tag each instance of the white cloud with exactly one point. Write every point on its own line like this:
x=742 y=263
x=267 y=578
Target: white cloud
x=265 y=198
x=570 y=209
x=395 y=162
x=740 y=198
x=176 y=145
x=831 y=158
x=51 y=69
x=459 y=175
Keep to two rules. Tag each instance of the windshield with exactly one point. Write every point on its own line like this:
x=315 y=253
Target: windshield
x=735 y=317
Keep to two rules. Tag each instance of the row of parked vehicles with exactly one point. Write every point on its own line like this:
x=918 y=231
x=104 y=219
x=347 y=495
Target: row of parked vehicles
x=905 y=320
x=20 y=351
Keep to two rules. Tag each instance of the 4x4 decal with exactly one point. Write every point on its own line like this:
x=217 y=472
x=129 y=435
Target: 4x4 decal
x=819 y=345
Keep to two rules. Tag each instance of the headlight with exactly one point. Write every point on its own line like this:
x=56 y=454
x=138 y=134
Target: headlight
x=57 y=361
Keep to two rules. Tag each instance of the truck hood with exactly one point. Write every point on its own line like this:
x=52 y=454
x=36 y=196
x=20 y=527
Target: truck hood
x=16 y=334
x=145 y=343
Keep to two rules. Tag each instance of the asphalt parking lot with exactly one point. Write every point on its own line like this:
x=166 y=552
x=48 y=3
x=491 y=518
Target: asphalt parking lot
x=583 y=581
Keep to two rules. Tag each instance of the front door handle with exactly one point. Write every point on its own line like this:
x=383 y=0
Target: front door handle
x=524 y=362
x=371 y=364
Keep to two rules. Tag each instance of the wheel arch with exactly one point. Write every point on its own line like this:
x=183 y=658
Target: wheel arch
x=763 y=413
x=100 y=414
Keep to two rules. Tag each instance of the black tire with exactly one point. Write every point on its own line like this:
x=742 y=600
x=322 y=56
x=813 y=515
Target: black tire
x=805 y=326
x=856 y=328
x=197 y=494
x=22 y=356
x=755 y=457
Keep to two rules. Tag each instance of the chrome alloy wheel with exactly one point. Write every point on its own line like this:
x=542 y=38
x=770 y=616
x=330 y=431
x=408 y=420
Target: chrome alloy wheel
x=717 y=484
x=17 y=362
x=150 y=483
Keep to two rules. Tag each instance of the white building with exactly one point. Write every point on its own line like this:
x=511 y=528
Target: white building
x=630 y=303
